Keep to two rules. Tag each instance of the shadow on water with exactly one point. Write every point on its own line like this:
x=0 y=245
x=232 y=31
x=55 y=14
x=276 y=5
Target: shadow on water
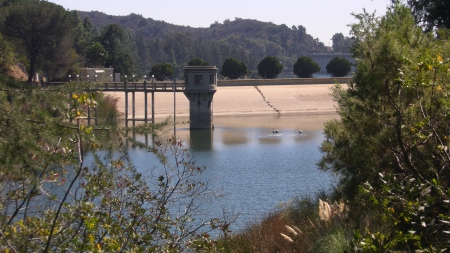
x=201 y=139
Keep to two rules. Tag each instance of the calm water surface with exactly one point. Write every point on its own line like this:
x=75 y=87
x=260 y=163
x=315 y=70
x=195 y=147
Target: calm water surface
x=255 y=168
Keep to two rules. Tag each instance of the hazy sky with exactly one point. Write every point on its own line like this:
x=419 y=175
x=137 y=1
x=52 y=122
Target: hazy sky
x=321 y=18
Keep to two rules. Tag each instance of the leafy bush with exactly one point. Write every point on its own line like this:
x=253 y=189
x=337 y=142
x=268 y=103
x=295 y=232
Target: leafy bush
x=161 y=71
x=269 y=67
x=338 y=67
x=390 y=143
x=233 y=69
x=197 y=62
x=304 y=67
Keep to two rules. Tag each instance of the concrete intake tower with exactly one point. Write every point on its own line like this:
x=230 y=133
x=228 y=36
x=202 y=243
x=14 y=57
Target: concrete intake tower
x=200 y=86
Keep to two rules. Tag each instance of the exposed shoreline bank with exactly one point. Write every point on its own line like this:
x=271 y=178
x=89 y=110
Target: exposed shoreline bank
x=313 y=99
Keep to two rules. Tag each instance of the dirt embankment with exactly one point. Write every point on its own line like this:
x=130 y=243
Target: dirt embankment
x=17 y=72
x=245 y=100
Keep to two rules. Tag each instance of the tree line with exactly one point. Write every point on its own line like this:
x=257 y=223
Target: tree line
x=51 y=40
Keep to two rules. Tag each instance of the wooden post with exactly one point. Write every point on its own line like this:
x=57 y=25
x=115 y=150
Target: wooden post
x=145 y=103
x=174 y=107
x=126 y=104
x=153 y=107
x=133 y=102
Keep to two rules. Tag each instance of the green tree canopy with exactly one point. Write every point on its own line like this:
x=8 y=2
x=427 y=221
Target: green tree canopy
x=304 y=67
x=390 y=143
x=269 y=67
x=431 y=13
x=96 y=55
x=197 y=62
x=341 y=44
x=40 y=26
x=233 y=69
x=161 y=71
x=339 y=67
x=7 y=55
x=117 y=56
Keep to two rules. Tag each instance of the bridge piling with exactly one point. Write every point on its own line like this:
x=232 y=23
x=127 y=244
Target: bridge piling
x=133 y=108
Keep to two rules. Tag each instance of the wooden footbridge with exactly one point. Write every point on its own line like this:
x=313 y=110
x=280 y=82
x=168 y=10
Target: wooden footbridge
x=146 y=88
x=133 y=87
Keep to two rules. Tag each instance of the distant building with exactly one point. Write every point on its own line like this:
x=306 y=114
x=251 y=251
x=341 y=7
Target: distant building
x=96 y=74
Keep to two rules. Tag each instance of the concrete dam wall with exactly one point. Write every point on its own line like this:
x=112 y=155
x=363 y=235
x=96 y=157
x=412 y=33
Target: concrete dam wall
x=282 y=81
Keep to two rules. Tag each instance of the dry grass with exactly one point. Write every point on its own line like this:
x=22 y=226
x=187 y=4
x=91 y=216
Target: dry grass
x=296 y=227
x=107 y=108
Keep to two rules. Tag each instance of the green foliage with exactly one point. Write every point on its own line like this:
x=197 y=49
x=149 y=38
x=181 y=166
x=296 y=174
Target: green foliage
x=269 y=67
x=431 y=14
x=339 y=67
x=161 y=71
x=82 y=36
x=129 y=41
x=96 y=55
x=233 y=69
x=113 y=40
x=41 y=27
x=341 y=44
x=304 y=67
x=73 y=188
x=390 y=145
x=197 y=62
x=7 y=54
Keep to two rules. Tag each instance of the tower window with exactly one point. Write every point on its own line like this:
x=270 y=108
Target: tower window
x=198 y=79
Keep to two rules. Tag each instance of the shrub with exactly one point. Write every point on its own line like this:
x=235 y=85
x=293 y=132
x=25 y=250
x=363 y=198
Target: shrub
x=269 y=67
x=161 y=71
x=304 y=67
x=197 y=62
x=233 y=69
x=339 y=67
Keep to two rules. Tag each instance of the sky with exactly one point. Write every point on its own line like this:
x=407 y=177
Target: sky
x=321 y=18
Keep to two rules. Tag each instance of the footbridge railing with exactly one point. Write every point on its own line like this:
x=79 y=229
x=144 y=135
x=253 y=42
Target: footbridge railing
x=155 y=86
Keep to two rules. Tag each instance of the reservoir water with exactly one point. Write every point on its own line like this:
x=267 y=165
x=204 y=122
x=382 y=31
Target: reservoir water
x=255 y=168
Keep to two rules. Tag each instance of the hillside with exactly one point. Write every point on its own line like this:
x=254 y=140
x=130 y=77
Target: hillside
x=246 y=40
x=150 y=28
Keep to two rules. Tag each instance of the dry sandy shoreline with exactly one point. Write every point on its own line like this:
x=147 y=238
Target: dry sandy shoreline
x=242 y=101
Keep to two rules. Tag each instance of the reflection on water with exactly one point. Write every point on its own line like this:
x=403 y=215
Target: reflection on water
x=230 y=137
x=201 y=139
x=270 y=139
x=233 y=130
x=256 y=168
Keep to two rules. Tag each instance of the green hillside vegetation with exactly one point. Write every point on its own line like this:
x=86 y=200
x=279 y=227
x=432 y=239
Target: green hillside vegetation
x=246 y=40
x=132 y=44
